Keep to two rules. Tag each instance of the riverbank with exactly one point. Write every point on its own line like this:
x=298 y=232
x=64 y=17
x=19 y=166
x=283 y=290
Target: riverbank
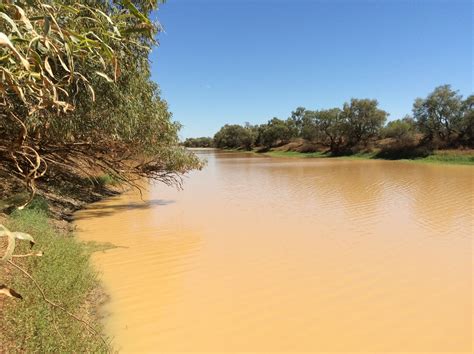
x=450 y=157
x=64 y=272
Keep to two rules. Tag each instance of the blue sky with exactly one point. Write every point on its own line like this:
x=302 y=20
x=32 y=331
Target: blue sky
x=236 y=61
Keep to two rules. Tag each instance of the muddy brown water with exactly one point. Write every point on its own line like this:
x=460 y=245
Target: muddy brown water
x=265 y=254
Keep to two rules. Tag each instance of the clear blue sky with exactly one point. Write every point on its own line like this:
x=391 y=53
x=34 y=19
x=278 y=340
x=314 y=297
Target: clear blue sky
x=232 y=61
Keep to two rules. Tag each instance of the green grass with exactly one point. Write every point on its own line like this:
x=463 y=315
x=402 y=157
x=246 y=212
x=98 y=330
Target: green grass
x=357 y=156
x=294 y=154
x=318 y=154
x=66 y=276
x=455 y=157
x=107 y=179
x=38 y=202
x=449 y=157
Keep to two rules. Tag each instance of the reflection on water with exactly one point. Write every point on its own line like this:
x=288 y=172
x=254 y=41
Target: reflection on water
x=263 y=254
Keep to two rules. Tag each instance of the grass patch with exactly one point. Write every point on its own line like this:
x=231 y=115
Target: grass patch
x=454 y=157
x=66 y=276
x=357 y=156
x=295 y=154
x=319 y=154
x=450 y=157
x=38 y=202
x=108 y=180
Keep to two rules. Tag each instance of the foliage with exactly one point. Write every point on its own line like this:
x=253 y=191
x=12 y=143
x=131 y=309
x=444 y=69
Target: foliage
x=297 y=117
x=400 y=128
x=357 y=123
x=443 y=117
x=310 y=129
x=76 y=92
x=205 y=142
x=234 y=136
x=363 y=120
x=403 y=141
x=333 y=128
x=466 y=136
x=278 y=131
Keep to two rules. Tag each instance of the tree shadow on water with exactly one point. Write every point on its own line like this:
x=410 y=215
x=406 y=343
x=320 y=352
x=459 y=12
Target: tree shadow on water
x=98 y=211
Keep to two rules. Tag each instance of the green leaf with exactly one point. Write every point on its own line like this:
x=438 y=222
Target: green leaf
x=134 y=11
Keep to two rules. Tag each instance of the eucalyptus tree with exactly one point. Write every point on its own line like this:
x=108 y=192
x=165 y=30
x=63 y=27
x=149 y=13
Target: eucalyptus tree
x=440 y=115
x=76 y=90
x=297 y=117
x=309 y=126
x=467 y=123
x=199 y=142
x=400 y=128
x=364 y=120
x=277 y=131
x=333 y=128
x=234 y=136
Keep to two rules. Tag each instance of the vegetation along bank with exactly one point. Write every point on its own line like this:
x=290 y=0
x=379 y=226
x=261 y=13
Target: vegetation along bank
x=78 y=113
x=440 y=129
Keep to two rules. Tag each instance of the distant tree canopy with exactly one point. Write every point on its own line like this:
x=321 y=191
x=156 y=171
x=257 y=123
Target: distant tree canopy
x=400 y=128
x=234 y=137
x=443 y=117
x=332 y=127
x=76 y=91
x=278 y=131
x=467 y=124
x=204 y=142
x=363 y=121
x=297 y=117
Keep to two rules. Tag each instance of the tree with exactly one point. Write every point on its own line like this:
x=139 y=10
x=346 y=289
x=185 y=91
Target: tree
x=76 y=91
x=277 y=131
x=400 y=128
x=333 y=128
x=439 y=116
x=234 y=136
x=467 y=122
x=364 y=120
x=309 y=126
x=297 y=117
x=403 y=143
x=205 y=142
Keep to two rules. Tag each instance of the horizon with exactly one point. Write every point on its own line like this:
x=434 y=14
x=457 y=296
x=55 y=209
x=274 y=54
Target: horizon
x=250 y=61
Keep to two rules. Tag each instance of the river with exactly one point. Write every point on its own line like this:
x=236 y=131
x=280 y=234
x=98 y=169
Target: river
x=262 y=254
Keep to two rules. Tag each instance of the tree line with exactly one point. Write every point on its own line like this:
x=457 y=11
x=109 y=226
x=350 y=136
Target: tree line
x=444 y=119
